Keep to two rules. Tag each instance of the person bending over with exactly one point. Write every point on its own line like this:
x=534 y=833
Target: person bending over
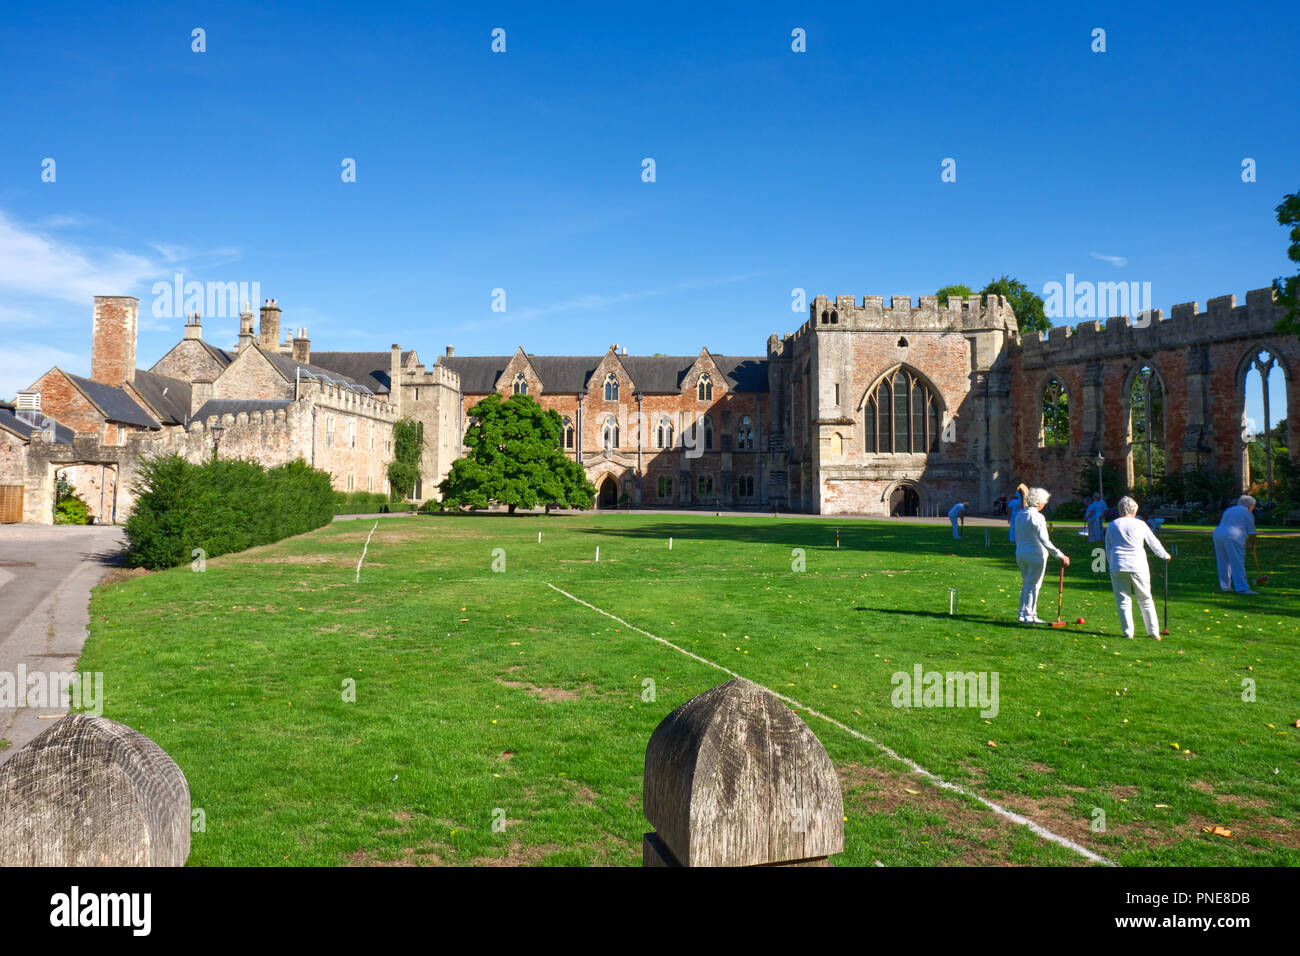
x=1032 y=548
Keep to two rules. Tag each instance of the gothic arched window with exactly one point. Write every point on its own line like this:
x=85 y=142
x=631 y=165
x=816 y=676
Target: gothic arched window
x=665 y=436
x=568 y=433
x=611 y=387
x=1146 y=450
x=745 y=434
x=1055 y=432
x=609 y=433
x=521 y=384
x=901 y=415
x=705 y=389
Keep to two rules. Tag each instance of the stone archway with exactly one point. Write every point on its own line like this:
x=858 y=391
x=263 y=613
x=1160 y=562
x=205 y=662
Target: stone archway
x=607 y=492
x=905 y=498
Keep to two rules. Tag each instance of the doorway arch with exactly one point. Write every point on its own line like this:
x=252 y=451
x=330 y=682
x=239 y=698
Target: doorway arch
x=905 y=498
x=607 y=493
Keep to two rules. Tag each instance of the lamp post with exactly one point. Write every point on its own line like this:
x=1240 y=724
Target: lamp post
x=1099 y=461
x=217 y=429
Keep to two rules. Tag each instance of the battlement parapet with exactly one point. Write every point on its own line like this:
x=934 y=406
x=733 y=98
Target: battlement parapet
x=899 y=314
x=1222 y=320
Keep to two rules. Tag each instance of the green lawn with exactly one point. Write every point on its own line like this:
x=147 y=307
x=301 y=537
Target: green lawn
x=479 y=692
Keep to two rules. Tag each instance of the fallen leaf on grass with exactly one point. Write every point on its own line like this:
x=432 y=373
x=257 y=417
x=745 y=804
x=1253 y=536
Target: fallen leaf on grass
x=1217 y=831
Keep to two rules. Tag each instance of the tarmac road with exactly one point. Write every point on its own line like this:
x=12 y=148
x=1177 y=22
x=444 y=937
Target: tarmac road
x=46 y=574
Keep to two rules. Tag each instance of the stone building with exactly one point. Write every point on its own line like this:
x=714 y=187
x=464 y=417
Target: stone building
x=882 y=407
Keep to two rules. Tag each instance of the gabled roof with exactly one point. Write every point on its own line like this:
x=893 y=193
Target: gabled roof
x=23 y=428
x=569 y=374
x=233 y=406
x=113 y=402
x=168 y=397
x=223 y=357
x=369 y=368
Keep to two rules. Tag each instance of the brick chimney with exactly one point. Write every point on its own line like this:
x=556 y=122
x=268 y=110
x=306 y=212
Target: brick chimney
x=302 y=347
x=193 y=330
x=246 y=327
x=112 y=346
x=268 y=332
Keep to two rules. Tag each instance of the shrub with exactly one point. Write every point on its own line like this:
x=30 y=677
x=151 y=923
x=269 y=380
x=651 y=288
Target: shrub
x=221 y=507
x=359 y=502
x=71 y=509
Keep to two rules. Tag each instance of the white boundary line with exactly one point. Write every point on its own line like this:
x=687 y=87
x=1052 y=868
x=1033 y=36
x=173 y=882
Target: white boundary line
x=934 y=778
x=363 y=553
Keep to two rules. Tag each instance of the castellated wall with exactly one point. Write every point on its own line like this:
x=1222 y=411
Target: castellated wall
x=832 y=364
x=432 y=397
x=1201 y=358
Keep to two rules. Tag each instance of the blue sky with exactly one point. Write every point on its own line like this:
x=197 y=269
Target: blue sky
x=522 y=170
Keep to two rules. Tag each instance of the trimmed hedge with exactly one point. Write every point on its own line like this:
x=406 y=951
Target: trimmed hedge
x=359 y=502
x=221 y=507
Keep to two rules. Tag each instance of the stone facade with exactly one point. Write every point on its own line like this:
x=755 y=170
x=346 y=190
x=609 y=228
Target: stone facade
x=876 y=407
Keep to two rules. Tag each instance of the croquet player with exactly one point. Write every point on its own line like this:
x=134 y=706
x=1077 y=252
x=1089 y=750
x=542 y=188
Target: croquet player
x=1127 y=537
x=1032 y=548
x=955 y=514
x=1016 y=505
x=1236 y=530
x=1093 y=514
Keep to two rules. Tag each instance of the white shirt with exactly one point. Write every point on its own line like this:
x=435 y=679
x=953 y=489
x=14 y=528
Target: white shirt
x=1031 y=535
x=1236 y=523
x=956 y=510
x=1125 y=538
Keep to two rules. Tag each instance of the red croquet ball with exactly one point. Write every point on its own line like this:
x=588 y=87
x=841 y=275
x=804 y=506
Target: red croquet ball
x=1079 y=621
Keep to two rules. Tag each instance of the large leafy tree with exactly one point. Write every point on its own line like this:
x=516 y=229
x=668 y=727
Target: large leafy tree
x=404 y=469
x=513 y=457
x=1288 y=289
x=960 y=291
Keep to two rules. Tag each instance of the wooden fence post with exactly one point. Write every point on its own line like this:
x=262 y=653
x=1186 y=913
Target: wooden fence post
x=733 y=777
x=93 y=792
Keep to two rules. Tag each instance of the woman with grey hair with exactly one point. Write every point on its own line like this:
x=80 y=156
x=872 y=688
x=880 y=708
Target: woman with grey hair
x=1236 y=530
x=1032 y=548
x=1126 y=538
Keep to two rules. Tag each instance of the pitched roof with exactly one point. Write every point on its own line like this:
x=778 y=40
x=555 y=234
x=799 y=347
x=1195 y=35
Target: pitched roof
x=11 y=421
x=289 y=369
x=570 y=373
x=369 y=368
x=223 y=357
x=168 y=397
x=233 y=406
x=113 y=402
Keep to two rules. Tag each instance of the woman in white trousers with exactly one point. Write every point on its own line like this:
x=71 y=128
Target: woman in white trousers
x=1032 y=548
x=1236 y=530
x=1127 y=537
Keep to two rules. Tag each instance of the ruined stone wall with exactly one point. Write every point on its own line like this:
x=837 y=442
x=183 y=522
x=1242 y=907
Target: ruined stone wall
x=1201 y=358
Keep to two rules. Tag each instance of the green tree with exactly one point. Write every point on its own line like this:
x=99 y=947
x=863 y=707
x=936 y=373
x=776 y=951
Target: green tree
x=404 y=469
x=960 y=291
x=1288 y=289
x=513 y=457
x=1031 y=315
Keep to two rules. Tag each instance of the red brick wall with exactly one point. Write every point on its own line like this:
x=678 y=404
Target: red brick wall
x=113 y=339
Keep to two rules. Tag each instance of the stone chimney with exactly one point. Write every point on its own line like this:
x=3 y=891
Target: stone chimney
x=268 y=332
x=395 y=379
x=112 y=346
x=193 y=330
x=246 y=327
x=302 y=347
x=451 y=351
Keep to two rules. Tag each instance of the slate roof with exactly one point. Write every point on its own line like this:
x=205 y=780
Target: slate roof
x=289 y=369
x=569 y=374
x=223 y=357
x=113 y=402
x=233 y=406
x=169 y=397
x=10 y=421
x=369 y=368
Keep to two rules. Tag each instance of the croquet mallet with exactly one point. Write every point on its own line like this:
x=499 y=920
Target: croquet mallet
x=1060 y=593
x=1259 y=578
x=1165 y=630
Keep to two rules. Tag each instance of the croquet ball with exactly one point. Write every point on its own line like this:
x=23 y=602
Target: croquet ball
x=1079 y=621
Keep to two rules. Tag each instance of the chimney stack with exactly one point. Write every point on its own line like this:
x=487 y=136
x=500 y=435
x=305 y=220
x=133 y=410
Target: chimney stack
x=112 y=345
x=451 y=351
x=246 y=327
x=193 y=330
x=395 y=378
x=269 y=329
x=302 y=347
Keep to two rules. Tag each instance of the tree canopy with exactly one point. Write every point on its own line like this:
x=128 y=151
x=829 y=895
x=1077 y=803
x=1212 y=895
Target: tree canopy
x=513 y=457
x=1288 y=289
x=1031 y=314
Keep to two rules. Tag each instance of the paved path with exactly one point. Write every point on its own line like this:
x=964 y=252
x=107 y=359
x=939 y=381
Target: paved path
x=46 y=573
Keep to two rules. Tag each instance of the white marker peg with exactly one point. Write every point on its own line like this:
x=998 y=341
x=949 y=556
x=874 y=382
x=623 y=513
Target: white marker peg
x=670 y=543
x=597 y=552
